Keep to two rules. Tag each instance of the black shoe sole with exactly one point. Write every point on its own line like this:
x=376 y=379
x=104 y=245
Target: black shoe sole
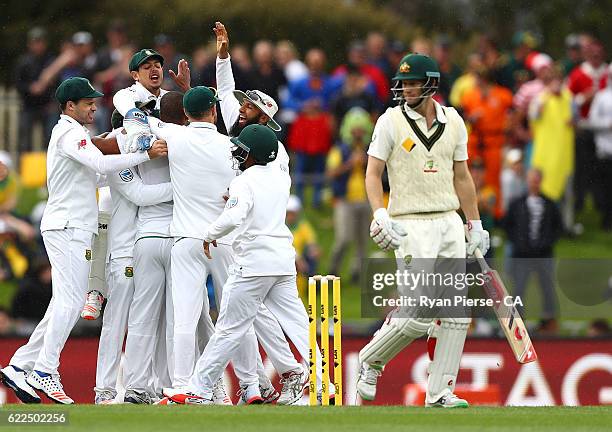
x=23 y=396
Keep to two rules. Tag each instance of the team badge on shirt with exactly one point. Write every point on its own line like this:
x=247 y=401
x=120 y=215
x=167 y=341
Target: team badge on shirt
x=88 y=254
x=129 y=272
x=232 y=202
x=430 y=166
x=82 y=143
x=126 y=175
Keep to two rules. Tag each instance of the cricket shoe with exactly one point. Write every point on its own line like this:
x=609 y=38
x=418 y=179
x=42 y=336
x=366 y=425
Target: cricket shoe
x=268 y=393
x=50 y=385
x=105 y=397
x=449 y=400
x=368 y=378
x=250 y=395
x=294 y=382
x=165 y=401
x=183 y=396
x=93 y=306
x=220 y=396
x=137 y=398
x=15 y=379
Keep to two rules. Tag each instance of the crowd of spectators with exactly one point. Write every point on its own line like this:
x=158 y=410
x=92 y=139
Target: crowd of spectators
x=525 y=112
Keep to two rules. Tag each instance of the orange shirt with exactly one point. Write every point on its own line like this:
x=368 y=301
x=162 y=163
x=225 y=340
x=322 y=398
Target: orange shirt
x=491 y=113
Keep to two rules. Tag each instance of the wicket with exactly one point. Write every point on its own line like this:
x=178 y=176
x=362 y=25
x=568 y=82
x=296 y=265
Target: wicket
x=324 y=315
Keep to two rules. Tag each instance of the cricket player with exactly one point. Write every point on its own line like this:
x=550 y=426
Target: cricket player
x=69 y=223
x=146 y=359
x=424 y=148
x=264 y=267
x=127 y=193
x=240 y=109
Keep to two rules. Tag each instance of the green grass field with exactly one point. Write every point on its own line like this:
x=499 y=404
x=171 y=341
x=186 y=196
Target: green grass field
x=274 y=418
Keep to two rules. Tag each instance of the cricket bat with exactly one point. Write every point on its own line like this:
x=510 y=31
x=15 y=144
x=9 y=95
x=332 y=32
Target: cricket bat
x=508 y=316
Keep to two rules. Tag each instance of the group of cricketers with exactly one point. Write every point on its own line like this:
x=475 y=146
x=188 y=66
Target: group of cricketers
x=144 y=215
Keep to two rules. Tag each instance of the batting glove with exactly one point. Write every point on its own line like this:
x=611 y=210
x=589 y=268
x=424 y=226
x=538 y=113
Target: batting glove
x=386 y=233
x=477 y=238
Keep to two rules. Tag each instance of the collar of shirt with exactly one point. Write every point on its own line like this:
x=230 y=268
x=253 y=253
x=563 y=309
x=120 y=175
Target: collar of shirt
x=440 y=116
x=146 y=93
x=202 y=125
x=73 y=121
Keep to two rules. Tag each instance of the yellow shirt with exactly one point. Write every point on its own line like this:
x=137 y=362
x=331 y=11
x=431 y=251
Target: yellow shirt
x=553 y=142
x=303 y=235
x=355 y=186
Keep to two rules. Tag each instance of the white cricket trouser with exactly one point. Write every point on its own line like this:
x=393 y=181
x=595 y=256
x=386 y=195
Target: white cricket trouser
x=69 y=252
x=190 y=269
x=120 y=282
x=242 y=298
x=152 y=284
x=438 y=237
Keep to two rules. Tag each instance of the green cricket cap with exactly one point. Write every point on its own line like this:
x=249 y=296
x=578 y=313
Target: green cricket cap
x=199 y=99
x=76 y=88
x=142 y=56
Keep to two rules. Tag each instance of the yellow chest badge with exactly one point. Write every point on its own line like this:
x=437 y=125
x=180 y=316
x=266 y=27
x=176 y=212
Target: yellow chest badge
x=129 y=272
x=408 y=145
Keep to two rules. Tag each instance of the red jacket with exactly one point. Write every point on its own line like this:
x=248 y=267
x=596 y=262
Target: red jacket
x=311 y=134
x=581 y=80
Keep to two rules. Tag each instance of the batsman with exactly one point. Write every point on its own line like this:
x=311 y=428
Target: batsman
x=423 y=145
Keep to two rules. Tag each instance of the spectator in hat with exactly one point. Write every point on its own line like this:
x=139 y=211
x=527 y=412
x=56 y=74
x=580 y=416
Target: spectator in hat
x=37 y=105
x=164 y=45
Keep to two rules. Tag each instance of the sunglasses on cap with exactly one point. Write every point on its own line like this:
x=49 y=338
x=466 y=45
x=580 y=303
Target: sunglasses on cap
x=254 y=96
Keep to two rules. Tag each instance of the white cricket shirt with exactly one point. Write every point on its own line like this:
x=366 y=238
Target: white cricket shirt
x=73 y=162
x=201 y=172
x=256 y=209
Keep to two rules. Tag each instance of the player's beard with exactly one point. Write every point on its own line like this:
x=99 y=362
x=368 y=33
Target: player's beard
x=237 y=128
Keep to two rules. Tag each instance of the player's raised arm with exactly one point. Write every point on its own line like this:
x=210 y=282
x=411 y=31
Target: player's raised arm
x=225 y=77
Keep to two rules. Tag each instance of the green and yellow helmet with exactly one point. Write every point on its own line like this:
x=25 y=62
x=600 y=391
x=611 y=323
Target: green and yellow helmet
x=416 y=67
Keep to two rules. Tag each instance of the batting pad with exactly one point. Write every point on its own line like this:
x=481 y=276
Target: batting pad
x=445 y=364
x=394 y=335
